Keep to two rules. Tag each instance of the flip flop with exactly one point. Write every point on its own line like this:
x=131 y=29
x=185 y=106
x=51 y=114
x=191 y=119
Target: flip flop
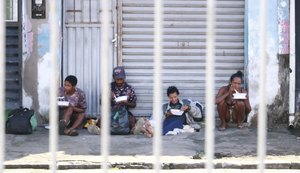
x=70 y=132
x=222 y=128
x=240 y=126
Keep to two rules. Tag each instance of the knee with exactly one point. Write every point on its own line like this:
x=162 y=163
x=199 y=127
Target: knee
x=240 y=105
x=221 y=105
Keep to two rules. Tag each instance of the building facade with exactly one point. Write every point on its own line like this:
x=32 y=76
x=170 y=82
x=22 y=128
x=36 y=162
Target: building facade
x=184 y=43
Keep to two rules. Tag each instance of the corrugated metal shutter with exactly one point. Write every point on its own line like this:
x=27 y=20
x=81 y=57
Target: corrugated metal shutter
x=183 y=46
x=13 y=66
x=81 y=49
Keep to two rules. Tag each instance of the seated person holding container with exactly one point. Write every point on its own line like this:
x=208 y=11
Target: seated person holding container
x=177 y=113
x=233 y=101
x=72 y=114
x=123 y=98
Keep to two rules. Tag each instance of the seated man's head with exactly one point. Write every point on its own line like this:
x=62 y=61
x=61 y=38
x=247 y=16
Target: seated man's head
x=119 y=75
x=70 y=83
x=172 y=93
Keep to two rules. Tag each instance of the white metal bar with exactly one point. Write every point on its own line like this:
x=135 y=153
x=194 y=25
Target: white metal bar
x=53 y=115
x=210 y=87
x=292 y=64
x=157 y=85
x=2 y=83
x=105 y=90
x=262 y=117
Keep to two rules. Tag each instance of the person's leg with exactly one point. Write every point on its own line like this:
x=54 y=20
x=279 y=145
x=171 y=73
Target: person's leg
x=64 y=119
x=78 y=120
x=238 y=116
x=67 y=113
x=172 y=122
x=223 y=111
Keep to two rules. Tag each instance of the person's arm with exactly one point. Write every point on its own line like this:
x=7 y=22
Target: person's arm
x=82 y=105
x=223 y=93
x=78 y=110
x=131 y=102
x=247 y=103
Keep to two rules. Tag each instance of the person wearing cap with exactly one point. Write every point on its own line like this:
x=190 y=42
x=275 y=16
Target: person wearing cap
x=71 y=116
x=120 y=109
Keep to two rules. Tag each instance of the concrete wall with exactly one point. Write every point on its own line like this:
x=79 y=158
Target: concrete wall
x=36 y=61
x=276 y=64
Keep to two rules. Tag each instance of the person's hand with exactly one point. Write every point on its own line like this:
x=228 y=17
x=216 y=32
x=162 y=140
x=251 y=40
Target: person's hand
x=169 y=113
x=124 y=102
x=112 y=96
x=185 y=108
x=231 y=89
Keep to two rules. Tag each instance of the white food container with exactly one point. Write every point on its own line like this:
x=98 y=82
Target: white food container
x=121 y=98
x=63 y=103
x=176 y=111
x=239 y=95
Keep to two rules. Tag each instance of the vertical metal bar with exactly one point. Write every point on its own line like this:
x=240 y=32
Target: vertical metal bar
x=2 y=83
x=246 y=19
x=105 y=90
x=262 y=117
x=210 y=87
x=53 y=115
x=292 y=65
x=157 y=85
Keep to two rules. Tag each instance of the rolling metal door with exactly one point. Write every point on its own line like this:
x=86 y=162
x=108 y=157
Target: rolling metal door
x=13 y=66
x=183 y=46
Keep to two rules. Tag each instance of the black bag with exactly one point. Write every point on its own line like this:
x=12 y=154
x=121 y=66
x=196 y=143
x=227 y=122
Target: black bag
x=18 y=121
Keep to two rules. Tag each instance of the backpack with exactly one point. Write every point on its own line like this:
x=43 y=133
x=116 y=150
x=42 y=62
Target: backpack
x=201 y=108
x=200 y=115
x=21 y=121
x=119 y=122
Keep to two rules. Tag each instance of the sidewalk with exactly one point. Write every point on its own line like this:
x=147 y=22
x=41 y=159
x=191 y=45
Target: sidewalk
x=234 y=148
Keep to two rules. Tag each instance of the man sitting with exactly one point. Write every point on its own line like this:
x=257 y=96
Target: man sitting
x=74 y=113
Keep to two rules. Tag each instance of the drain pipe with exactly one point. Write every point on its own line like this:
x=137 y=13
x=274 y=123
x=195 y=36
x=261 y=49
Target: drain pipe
x=292 y=66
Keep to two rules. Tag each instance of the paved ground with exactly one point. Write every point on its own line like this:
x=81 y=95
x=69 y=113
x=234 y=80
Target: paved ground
x=234 y=148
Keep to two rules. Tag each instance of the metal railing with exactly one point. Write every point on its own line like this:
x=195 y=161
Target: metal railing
x=105 y=42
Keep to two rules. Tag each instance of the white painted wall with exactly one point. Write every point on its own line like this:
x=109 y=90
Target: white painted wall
x=272 y=83
x=36 y=61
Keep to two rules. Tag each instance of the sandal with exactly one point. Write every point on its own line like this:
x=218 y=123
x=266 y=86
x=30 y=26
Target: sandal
x=240 y=126
x=222 y=128
x=70 y=132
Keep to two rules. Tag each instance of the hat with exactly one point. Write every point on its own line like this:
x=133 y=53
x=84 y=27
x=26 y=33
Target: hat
x=119 y=73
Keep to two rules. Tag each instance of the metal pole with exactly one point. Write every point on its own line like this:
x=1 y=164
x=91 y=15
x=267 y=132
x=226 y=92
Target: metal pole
x=262 y=117
x=105 y=90
x=53 y=115
x=2 y=84
x=210 y=87
x=157 y=86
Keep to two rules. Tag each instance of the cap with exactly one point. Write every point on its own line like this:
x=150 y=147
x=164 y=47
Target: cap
x=119 y=72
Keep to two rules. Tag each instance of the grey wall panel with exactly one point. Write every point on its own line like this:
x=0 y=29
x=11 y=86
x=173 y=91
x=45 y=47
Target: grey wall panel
x=184 y=46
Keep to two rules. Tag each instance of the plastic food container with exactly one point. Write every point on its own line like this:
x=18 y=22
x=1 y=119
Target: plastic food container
x=63 y=103
x=121 y=98
x=239 y=95
x=176 y=111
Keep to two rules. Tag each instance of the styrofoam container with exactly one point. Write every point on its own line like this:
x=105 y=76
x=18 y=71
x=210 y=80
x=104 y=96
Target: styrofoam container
x=121 y=98
x=176 y=111
x=239 y=95
x=63 y=103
